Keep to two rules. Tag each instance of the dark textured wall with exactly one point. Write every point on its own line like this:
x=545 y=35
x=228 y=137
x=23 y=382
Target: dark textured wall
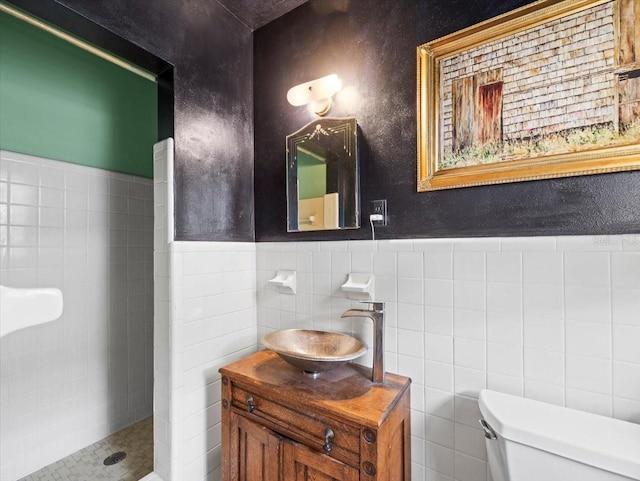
x=371 y=45
x=213 y=105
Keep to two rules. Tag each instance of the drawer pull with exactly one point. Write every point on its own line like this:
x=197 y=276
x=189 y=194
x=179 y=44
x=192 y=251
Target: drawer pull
x=250 y=404
x=328 y=436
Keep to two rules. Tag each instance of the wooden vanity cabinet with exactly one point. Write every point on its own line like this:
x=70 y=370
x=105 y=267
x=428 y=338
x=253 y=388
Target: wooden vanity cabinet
x=280 y=425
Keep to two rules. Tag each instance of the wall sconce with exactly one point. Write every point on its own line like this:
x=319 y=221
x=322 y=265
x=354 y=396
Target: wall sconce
x=316 y=93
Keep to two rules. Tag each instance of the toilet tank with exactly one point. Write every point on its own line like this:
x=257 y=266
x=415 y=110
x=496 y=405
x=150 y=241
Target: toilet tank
x=537 y=441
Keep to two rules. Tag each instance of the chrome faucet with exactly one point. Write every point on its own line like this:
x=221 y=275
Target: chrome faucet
x=376 y=314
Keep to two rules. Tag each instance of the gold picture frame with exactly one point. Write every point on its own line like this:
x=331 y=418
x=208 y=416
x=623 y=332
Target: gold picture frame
x=548 y=90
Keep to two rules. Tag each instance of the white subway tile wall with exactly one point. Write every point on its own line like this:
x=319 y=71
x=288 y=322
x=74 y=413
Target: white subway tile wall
x=163 y=235
x=554 y=319
x=71 y=382
x=213 y=323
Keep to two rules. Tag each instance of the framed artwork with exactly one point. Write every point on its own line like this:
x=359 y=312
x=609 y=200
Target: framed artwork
x=548 y=90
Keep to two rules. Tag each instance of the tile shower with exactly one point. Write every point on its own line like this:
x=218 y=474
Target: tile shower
x=71 y=382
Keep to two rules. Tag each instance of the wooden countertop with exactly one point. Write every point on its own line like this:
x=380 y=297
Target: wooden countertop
x=346 y=392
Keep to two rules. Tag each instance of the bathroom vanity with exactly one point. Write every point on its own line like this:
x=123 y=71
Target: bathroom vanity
x=281 y=425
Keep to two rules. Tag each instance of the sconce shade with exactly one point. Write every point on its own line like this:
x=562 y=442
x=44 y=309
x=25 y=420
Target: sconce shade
x=317 y=92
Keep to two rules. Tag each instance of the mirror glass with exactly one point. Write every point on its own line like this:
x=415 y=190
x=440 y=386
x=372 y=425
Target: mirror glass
x=322 y=176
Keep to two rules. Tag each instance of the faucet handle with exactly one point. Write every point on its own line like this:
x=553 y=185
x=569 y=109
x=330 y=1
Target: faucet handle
x=376 y=306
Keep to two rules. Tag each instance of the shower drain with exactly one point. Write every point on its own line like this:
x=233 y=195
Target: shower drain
x=114 y=458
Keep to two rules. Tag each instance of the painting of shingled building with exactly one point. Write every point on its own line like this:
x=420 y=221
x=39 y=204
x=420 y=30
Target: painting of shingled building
x=568 y=85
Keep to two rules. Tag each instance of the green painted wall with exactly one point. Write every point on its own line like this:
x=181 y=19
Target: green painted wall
x=312 y=181
x=312 y=176
x=60 y=102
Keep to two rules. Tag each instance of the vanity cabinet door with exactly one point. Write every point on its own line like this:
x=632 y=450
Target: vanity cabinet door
x=302 y=464
x=254 y=451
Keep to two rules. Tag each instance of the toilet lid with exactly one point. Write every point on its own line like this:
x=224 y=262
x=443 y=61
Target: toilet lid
x=599 y=441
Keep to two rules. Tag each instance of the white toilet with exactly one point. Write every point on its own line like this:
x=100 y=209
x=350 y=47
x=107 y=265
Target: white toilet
x=530 y=440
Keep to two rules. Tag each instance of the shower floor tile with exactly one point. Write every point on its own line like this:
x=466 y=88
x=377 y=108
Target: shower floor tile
x=88 y=463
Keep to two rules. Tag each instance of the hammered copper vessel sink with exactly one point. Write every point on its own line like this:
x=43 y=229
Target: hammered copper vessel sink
x=314 y=351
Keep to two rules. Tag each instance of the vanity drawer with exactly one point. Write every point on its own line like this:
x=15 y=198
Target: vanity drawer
x=303 y=428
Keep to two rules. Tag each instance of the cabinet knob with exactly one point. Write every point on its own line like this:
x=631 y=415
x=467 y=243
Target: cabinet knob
x=369 y=468
x=328 y=436
x=250 y=404
x=369 y=436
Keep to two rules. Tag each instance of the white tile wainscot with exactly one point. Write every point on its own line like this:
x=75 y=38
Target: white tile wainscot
x=213 y=322
x=549 y=318
x=163 y=153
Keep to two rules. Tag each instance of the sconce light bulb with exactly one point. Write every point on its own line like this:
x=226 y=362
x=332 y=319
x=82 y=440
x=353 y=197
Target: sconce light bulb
x=318 y=93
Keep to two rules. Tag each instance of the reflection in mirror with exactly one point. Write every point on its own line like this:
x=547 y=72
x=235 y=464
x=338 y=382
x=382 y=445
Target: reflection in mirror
x=322 y=176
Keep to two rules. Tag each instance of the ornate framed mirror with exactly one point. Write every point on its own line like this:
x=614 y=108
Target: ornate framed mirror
x=323 y=176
